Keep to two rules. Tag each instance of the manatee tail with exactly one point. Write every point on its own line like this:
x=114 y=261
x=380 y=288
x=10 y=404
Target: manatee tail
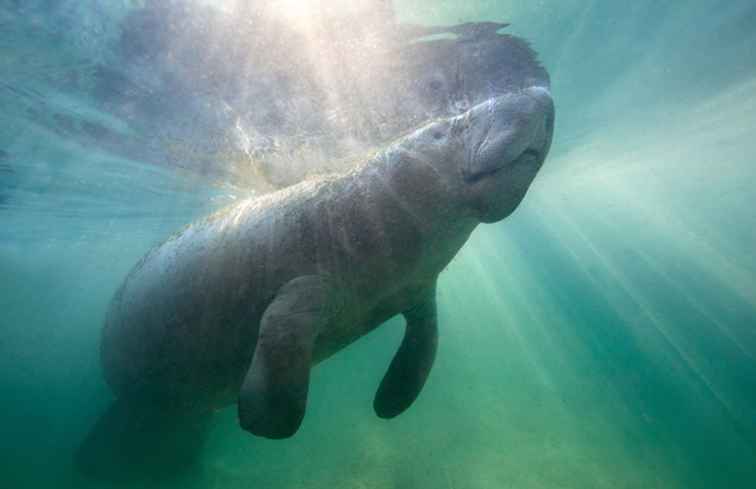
x=135 y=441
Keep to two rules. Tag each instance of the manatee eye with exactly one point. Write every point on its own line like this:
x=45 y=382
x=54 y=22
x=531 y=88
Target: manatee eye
x=438 y=135
x=435 y=85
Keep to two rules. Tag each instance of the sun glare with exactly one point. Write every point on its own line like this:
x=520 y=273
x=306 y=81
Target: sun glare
x=299 y=12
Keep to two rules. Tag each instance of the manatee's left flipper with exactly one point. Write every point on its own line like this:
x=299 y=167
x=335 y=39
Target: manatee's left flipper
x=412 y=363
x=273 y=395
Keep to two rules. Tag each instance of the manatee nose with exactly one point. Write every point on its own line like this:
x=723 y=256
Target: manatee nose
x=507 y=129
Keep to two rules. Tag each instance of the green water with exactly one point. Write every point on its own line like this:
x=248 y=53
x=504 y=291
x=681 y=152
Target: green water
x=604 y=336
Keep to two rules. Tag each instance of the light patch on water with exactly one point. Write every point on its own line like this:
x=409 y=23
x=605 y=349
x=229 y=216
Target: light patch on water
x=298 y=12
x=678 y=174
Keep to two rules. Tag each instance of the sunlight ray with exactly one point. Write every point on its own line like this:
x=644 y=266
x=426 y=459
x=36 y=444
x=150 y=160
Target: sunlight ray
x=648 y=314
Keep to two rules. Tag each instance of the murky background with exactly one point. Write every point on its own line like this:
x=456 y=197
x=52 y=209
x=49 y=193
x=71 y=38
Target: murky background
x=603 y=336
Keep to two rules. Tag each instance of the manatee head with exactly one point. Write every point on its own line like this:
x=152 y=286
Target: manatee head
x=487 y=157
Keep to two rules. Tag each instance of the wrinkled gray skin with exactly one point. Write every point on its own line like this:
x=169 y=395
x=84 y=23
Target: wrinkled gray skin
x=239 y=306
x=251 y=98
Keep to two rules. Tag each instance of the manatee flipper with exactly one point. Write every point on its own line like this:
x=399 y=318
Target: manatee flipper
x=273 y=395
x=413 y=361
x=142 y=440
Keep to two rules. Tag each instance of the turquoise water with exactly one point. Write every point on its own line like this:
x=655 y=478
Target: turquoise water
x=602 y=336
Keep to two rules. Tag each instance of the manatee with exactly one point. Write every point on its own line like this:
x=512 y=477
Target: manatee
x=238 y=307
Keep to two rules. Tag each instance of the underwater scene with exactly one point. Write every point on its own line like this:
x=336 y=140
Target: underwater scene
x=377 y=244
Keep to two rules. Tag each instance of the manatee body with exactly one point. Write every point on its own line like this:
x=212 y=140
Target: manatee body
x=239 y=306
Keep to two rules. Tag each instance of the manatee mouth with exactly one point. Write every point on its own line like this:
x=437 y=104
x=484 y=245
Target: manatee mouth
x=529 y=156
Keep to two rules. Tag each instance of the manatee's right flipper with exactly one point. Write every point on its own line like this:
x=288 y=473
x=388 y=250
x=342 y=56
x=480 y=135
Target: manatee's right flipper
x=273 y=395
x=142 y=440
x=412 y=363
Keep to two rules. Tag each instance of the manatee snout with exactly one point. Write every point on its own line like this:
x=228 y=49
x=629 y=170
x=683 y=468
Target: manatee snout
x=508 y=130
